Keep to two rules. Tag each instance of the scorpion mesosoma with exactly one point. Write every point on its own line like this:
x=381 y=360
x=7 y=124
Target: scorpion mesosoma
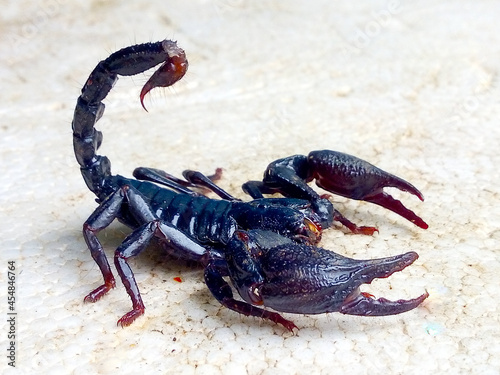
x=265 y=247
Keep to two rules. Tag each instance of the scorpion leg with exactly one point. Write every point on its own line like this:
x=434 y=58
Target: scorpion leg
x=207 y=182
x=341 y=174
x=193 y=179
x=138 y=240
x=163 y=178
x=103 y=216
x=149 y=226
x=133 y=245
x=221 y=290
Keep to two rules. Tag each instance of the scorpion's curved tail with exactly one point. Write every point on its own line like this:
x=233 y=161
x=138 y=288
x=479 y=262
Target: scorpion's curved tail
x=89 y=108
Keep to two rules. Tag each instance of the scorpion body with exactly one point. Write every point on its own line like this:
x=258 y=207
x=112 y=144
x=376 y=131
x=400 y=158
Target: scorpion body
x=266 y=246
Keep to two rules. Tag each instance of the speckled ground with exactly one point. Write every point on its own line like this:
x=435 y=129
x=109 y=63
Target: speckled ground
x=411 y=87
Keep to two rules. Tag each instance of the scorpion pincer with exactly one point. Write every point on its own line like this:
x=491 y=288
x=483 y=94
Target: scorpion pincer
x=266 y=247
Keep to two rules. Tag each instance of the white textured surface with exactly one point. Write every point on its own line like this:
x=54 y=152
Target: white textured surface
x=410 y=86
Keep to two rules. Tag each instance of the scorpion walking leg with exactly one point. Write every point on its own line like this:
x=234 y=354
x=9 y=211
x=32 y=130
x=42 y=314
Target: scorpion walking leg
x=193 y=179
x=207 y=182
x=133 y=245
x=163 y=178
x=221 y=290
x=100 y=219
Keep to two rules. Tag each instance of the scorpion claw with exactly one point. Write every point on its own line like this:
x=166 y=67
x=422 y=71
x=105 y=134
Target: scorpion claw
x=386 y=201
x=364 y=304
x=314 y=280
x=338 y=173
x=351 y=177
x=361 y=303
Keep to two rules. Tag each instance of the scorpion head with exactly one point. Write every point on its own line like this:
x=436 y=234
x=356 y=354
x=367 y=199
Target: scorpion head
x=298 y=278
x=291 y=218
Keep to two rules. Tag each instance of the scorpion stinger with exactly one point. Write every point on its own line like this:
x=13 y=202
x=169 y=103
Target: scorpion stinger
x=266 y=247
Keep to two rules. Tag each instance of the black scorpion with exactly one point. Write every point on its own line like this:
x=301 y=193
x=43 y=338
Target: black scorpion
x=266 y=247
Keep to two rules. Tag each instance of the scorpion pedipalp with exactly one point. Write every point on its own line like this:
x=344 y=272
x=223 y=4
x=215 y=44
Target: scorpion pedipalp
x=338 y=173
x=315 y=280
x=355 y=178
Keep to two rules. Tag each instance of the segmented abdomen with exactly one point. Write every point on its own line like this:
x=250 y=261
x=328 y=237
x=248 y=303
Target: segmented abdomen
x=205 y=220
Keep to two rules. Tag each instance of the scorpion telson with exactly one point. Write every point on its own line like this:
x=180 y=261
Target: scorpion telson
x=170 y=72
x=266 y=246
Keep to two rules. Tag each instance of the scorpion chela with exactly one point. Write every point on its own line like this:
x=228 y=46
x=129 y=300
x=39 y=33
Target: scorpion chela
x=266 y=247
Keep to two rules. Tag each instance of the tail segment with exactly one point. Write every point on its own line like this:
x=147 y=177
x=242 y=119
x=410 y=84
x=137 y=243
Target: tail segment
x=89 y=107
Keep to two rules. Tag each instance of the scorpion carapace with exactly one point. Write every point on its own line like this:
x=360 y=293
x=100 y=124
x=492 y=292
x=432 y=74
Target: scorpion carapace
x=266 y=247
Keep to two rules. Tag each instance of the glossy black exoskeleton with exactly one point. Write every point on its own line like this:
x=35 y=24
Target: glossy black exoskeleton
x=266 y=247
